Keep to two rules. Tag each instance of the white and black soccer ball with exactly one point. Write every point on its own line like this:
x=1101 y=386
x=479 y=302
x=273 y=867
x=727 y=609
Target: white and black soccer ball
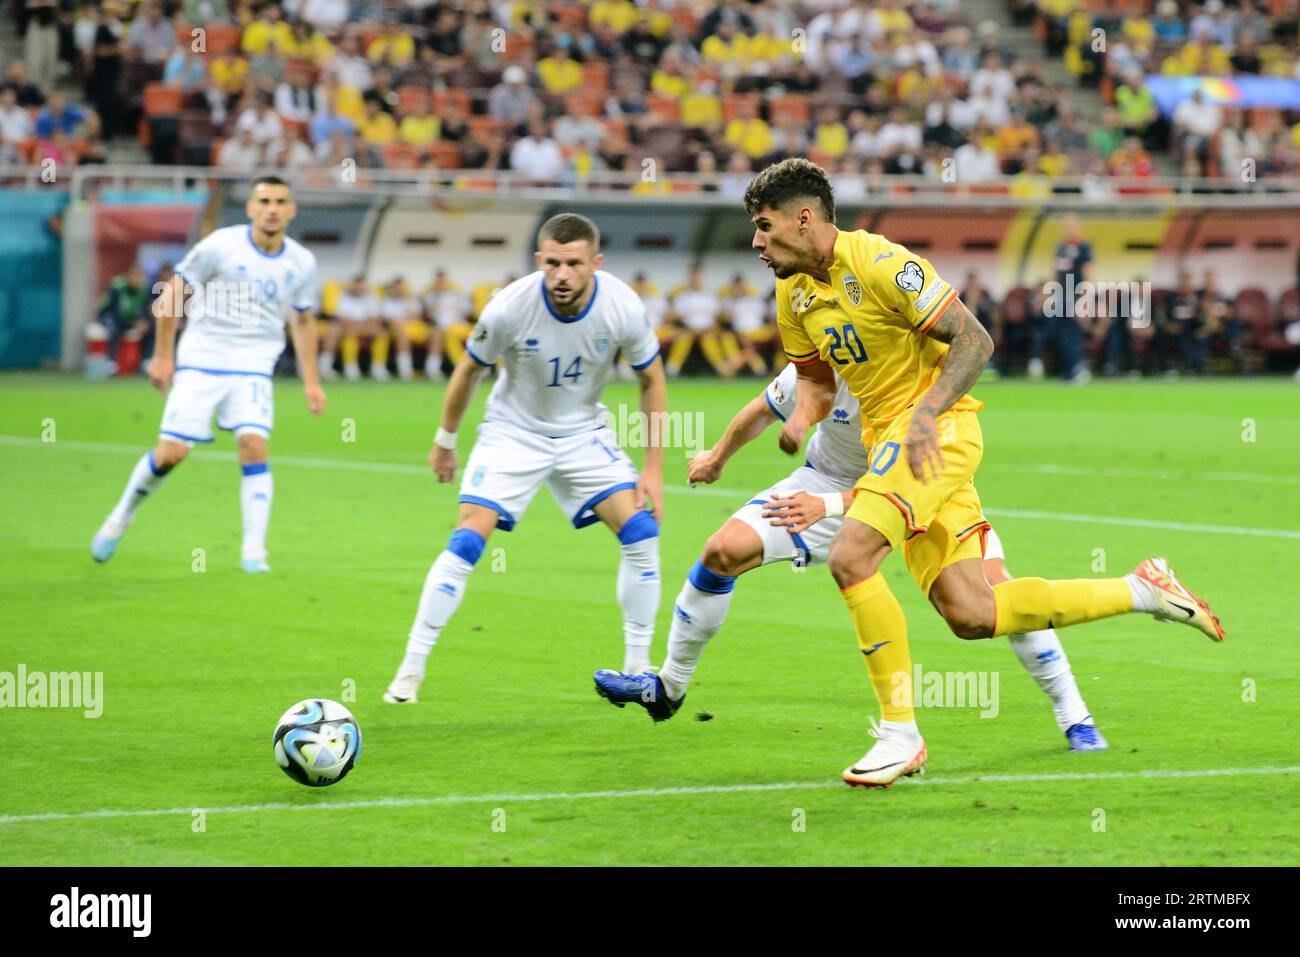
x=317 y=742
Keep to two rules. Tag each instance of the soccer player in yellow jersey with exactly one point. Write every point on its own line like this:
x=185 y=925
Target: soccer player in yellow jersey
x=908 y=349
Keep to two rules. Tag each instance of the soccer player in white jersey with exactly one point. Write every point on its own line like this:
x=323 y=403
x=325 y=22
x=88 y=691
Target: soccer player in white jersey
x=795 y=521
x=557 y=332
x=399 y=309
x=236 y=287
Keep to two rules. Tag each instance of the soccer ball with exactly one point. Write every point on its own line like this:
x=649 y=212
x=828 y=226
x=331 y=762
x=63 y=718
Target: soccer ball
x=317 y=742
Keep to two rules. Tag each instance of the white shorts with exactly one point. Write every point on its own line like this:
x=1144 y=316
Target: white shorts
x=508 y=464
x=811 y=547
x=241 y=402
x=993 y=547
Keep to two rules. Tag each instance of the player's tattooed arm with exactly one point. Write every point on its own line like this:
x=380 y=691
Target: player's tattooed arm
x=968 y=356
x=814 y=394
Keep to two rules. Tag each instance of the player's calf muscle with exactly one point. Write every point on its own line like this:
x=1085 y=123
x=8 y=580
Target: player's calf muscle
x=169 y=454
x=965 y=603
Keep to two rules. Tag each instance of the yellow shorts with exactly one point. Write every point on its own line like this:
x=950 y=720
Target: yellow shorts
x=939 y=523
x=761 y=334
x=417 y=332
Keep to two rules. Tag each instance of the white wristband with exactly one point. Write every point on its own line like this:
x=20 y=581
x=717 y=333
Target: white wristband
x=834 y=502
x=445 y=440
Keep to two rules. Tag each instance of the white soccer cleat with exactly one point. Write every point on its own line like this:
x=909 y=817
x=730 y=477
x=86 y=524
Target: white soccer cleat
x=894 y=755
x=352 y=373
x=255 y=566
x=105 y=541
x=403 y=690
x=380 y=373
x=1173 y=600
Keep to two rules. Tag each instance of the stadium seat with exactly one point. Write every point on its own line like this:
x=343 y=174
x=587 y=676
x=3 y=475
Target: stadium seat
x=663 y=107
x=732 y=102
x=484 y=127
x=445 y=155
x=1288 y=307
x=411 y=97
x=1255 y=316
x=584 y=103
x=220 y=39
x=399 y=155
x=572 y=18
x=162 y=100
x=442 y=97
x=595 y=76
x=793 y=106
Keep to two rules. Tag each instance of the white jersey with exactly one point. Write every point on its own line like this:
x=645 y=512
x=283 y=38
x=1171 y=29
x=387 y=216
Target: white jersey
x=448 y=308
x=399 y=309
x=556 y=366
x=358 y=308
x=235 y=323
x=697 y=308
x=748 y=313
x=836 y=448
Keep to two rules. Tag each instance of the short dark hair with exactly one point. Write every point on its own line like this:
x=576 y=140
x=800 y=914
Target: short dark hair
x=565 y=228
x=269 y=179
x=791 y=179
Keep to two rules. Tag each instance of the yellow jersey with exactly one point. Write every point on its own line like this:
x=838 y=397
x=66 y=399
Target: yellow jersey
x=869 y=324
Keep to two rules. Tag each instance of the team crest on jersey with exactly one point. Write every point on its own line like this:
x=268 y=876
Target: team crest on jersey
x=841 y=415
x=853 y=288
x=602 y=343
x=911 y=277
x=482 y=334
x=477 y=478
x=531 y=347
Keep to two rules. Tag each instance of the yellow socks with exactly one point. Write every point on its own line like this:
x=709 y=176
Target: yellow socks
x=1031 y=604
x=350 y=349
x=882 y=636
x=379 y=350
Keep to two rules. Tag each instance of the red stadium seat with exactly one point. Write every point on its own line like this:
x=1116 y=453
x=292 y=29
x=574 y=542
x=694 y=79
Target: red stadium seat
x=732 y=102
x=399 y=155
x=410 y=97
x=1255 y=315
x=584 y=103
x=664 y=107
x=794 y=107
x=595 y=76
x=1288 y=307
x=161 y=100
x=445 y=155
x=442 y=97
x=220 y=38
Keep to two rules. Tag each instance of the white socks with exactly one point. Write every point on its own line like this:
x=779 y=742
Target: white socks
x=444 y=587
x=1142 y=598
x=701 y=608
x=433 y=365
x=145 y=478
x=638 y=595
x=405 y=370
x=1044 y=658
x=255 y=491
x=325 y=363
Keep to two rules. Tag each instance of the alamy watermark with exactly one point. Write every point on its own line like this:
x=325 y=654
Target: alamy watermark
x=1088 y=300
x=53 y=689
x=947 y=689
x=670 y=430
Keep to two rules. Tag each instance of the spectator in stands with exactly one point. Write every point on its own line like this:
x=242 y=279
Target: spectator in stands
x=1106 y=138
x=537 y=157
x=309 y=43
x=16 y=124
x=59 y=115
x=559 y=72
x=745 y=312
x=326 y=122
x=1137 y=109
x=26 y=92
x=260 y=119
x=197 y=12
x=41 y=42
x=267 y=33
x=293 y=152
x=1131 y=160
x=899 y=143
x=974 y=161
x=377 y=130
x=325 y=15
x=1195 y=121
x=1237 y=143
x=511 y=99
x=241 y=151
x=696 y=312
x=152 y=36
x=84 y=26
x=394 y=47
x=749 y=132
x=1169 y=27
x=1073 y=268
x=420 y=128
x=295 y=98
x=187 y=70
x=976 y=297
x=124 y=310
x=349 y=67
x=106 y=71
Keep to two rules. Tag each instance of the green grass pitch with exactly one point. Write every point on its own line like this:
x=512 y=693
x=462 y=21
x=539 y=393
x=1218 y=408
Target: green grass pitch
x=505 y=758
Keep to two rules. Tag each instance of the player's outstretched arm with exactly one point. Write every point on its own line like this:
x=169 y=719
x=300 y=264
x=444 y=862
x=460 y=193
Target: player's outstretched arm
x=747 y=425
x=814 y=392
x=968 y=357
x=302 y=329
x=460 y=389
x=167 y=310
x=654 y=406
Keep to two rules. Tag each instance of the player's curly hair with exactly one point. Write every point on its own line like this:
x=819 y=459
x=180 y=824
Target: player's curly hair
x=566 y=228
x=790 y=179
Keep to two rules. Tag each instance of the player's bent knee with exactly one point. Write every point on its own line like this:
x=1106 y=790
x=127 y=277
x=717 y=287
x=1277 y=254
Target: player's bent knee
x=168 y=455
x=467 y=545
x=725 y=555
x=969 y=620
x=638 y=528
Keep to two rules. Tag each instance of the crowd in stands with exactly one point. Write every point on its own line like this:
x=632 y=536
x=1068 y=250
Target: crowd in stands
x=1115 y=46
x=558 y=90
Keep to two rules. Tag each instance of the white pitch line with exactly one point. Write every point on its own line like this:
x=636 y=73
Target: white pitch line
x=641 y=792
x=363 y=465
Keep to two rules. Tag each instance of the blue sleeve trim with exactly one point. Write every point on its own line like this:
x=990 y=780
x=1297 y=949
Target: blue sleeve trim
x=772 y=405
x=473 y=355
x=506 y=521
x=649 y=362
x=757 y=501
x=255 y=468
x=581 y=519
x=799 y=544
x=710 y=581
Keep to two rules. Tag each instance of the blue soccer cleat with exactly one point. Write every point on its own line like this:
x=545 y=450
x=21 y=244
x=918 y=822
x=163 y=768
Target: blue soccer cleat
x=105 y=541
x=645 y=689
x=1084 y=736
x=255 y=565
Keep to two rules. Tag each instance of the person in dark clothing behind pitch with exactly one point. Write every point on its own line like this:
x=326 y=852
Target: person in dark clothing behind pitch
x=984 y=307
x=124 y=310
x=1213 y=323
x=1073 y=268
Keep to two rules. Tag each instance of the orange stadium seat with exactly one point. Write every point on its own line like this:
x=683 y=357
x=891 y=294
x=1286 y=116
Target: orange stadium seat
x=664 y=107
x=399 y=155
x=162 y=100
x=732 y=102
x=793 y=106
x=595 y=76
x=445 y=155
x=584 y=103
x=220 y=38
x=572 y=18
x=517 y=45
x=442 y=97
x=686 y=18
x=484 y=127
x=1288 y=306
x=409 y=97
